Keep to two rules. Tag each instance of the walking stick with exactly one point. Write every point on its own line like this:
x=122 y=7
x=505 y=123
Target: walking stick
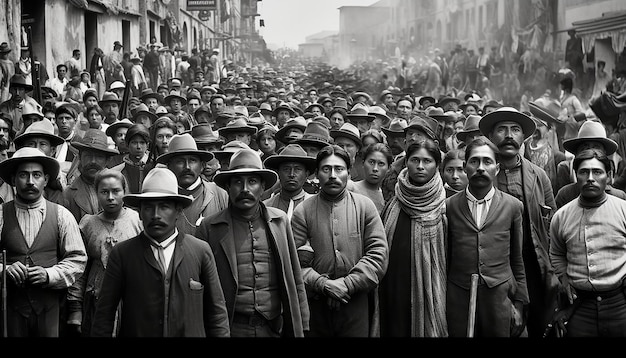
x=4 y=294
x=471 y=316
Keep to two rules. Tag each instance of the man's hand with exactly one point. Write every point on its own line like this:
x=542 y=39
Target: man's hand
x=18 y=272
x=37 y=276
x=337 y=290
x=517 y=318
x=566 y=289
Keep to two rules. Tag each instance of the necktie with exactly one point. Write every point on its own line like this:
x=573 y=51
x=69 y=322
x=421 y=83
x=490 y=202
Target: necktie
x=163 y=264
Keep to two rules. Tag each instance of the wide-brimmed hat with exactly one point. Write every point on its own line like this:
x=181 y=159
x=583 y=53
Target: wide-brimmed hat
x=316 y=133
x=229 y=149
x=202 y=133
x=470 y=126
x=113 y=127
x=590 y=131
x=257 y=120
x=283 y=106
x=265 y=108
x=290 y=153
x=383 y=94
x=310 y=107
x=360 y=111
x=117 y=85
x=237 y=125
x=492 y=103
x=447 y=99
x=488 y=121
x=159 y=184
x=358 y=94
x=32 y=107
x=109 y=97
x=470 y=104
x=208 y=88
x=149 y=93
x=374 y=133
x=349 y=131
x=297 y=122
x=246 y=162
x=20 y=81
x=39 y=129
x=183 y=144
x=396 y=127
x=424 y=123
x=429 y=98
x=143 y=109
x=379 y=112
x=325 y=98
x=172 y=95
x=9 y=166
x=4 y=48
x=549 y=113
x=94 y=139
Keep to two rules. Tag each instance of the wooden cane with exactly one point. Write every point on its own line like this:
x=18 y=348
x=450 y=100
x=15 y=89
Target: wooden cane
x=4 y=294
x=471 y=316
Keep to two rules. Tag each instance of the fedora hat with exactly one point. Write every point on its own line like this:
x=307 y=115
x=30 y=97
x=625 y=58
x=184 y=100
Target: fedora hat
x=143 y=109
x=358 y=94
x=159 y=184
x=183 y=144
x=590 y=131
x=431 y=99
x=94 y=139
x=347 y=130
x=32 y=107
x=113 y=127
x=310 y=107
x=549 y=113
x=172 y=95
x=246 y=162
x=396 y=127
x=379 y=112
x=9 y=166
x=265 y=108
x=323 y=120
x=39 y=129
x=488 y=121
x=110 y=97
x=21 y=82
x=208 y=88
x=316 y=133
x=360 y=111
x=470 y=126
x=383 y=94
x=470 y=104
x=257 y=120
x=325 y=98
x=4 y=48
x=493 y=104
x=341 y=103
x=241 y=111
x=447 y=99
x=374 y=133
x=202 y=133
x=229 y=149
x=424 y=123
x=297 y=122
x=115 y=85
x=237 y=125
x=283 y=106
x=290 y=153
x=149 y=93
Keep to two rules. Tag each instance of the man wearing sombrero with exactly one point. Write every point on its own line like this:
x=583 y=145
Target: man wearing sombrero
x=45 y=251
x=187 y=163
x=165 y=280
x=256 y=255
x=507 y=128
x=12 y=108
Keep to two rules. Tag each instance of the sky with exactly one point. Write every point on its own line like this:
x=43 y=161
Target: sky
x=289 y=22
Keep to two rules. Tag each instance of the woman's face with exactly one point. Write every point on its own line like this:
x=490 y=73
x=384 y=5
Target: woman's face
x=454 y=175
x=267 y=143
x=376 y=167
x=163 y=137
x=421 y=167
x=110 y=195
x=95 y=119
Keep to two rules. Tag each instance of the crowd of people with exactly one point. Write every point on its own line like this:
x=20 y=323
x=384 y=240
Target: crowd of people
x=164 y=195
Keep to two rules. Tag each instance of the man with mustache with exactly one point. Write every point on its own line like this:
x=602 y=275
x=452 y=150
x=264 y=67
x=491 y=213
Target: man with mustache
x=93 y=152
x=45 y=251
x=19 y=88
x=188 y=163
x=166 y=281
x=507 y=128
x=343 y=251
x=256 y=255
x=588 y=253
x=485 y=237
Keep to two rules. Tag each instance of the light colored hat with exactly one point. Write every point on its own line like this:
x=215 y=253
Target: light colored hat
x=32 y=107
x=246 y=161
x=39 y=129
x=470 y=126
x=113 y=127
x=159 y=184
x=590 y=131
x=94 y=139
x=396 y=127
x=183 y=144
x=117 y=85
x=489 y=120
x=229 y=149
x=9 y=166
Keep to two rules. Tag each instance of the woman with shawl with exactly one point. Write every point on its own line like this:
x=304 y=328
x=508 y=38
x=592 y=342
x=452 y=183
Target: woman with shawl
x=415 y=224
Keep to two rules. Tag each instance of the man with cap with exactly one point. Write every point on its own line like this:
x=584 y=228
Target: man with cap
x=343 y=251
x=359 y=116
x=187 y=163
x=418 y=129
x=133 y=162
x=293 y=166
x=207 y=140
x=256 y=255
x=80 y=196
x=394 y=136
x=507 y=128
x=292 y=130
x=12 y=108
x=116 y=133
x=45 y=251
x=151 y=99
x=110 y=104
x=165 y=280
x=469 y=132
x=591 y=135
x=349 y=139
x=41 y=135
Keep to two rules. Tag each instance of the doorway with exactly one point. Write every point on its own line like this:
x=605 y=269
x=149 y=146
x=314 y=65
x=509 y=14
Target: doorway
x=91 y=37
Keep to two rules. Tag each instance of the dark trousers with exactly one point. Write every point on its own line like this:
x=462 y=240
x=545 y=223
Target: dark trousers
x=33 y=324
x=255 y=326
x=599 y=315
x=493 y=310
x=351 y=320
x=537 y=310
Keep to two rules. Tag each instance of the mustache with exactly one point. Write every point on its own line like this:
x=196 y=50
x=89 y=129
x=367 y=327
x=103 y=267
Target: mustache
x=331 y=182
x=93 y=166
x=244 y=196
x=509 y=142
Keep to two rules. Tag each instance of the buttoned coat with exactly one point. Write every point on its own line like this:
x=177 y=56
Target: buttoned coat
x=196 y=306
x=217 y=230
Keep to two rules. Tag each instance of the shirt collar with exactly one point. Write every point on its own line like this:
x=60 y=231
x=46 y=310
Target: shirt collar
x=487 y=197
x=167 y=242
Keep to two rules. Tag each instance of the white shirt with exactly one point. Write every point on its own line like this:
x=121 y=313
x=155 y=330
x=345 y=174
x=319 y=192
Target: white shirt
x=479 y=208
x=168 y=249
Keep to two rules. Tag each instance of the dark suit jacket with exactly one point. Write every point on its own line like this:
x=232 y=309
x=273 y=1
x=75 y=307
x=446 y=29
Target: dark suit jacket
x=494 y=250
x=217 y=230
x=196 y=309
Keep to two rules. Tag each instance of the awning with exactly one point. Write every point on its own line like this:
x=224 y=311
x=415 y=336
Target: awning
x=609 y=25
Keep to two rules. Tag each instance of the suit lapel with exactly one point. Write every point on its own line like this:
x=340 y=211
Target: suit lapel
x=148 y=255
x=493 y=208
x=465 y=210
x=228 y=245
